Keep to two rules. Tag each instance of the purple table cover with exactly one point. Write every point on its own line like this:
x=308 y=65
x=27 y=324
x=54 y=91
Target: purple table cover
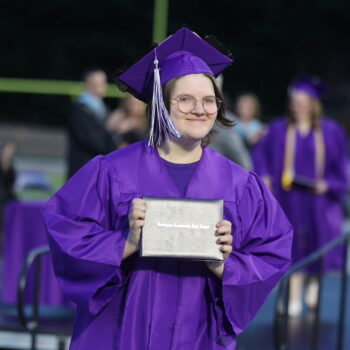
x=23 y=231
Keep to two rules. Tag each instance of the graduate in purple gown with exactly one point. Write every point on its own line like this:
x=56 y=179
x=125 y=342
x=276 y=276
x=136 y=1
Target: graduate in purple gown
x=303 y=160
x=94 y=222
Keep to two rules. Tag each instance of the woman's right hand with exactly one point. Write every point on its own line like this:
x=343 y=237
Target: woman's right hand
x=268 y=182
x=136 y=222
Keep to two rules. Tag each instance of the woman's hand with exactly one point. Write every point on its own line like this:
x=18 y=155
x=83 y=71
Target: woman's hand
x=223 y=232
x=136 y=222
x=321 y=187
x=6 y=156
x=268 y=182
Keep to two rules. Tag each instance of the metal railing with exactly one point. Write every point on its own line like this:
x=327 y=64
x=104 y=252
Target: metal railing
x=31 y=323
x=281 y=321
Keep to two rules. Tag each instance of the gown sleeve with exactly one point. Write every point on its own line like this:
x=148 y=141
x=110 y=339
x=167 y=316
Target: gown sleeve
x=86 y=249
x=260 y=257
x=261 y=155
x=336 y=176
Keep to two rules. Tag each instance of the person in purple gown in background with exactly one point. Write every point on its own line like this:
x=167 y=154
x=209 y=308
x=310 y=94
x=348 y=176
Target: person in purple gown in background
x=95 y=220
x=303 y=160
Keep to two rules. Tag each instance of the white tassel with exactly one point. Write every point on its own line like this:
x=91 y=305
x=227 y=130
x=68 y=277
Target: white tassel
x=162 y=126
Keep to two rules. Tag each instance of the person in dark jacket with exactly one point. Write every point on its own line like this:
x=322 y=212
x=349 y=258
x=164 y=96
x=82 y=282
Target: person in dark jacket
x=7 y=180
x=89 y=135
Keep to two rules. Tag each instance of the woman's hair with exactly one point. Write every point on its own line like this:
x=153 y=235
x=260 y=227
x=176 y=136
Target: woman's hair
x=221 y=119
x=316 y=113
x=254 y=98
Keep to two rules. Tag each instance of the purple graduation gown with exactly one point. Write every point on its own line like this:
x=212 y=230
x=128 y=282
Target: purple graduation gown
x=155 y=304
x=316 y=219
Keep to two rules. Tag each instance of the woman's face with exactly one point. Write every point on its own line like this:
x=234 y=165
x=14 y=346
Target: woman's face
x=96 y=83
x=196 y=124
x=246 y=109
x=301 y=105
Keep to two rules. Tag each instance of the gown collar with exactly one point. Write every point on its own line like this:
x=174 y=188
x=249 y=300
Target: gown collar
x=211 y=176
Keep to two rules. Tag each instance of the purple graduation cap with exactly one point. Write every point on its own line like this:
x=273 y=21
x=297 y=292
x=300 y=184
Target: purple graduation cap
x=182 y=53
x=311 y=85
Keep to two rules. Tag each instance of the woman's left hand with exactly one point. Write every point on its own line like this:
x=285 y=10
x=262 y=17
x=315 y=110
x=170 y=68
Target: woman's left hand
x=225 y=238
x=321 y=187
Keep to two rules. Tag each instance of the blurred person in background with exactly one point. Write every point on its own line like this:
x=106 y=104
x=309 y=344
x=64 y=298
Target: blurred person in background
x=229 y=143
x=129 y=121
x=249 y=127
x=303 y=160
x=226 y=140
x=7 y=178
x=89 y=133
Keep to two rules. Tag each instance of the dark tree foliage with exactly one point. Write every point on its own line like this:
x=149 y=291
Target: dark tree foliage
x=272 y=40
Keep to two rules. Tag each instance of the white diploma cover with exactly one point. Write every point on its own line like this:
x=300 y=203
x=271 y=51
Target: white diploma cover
x=182 y=228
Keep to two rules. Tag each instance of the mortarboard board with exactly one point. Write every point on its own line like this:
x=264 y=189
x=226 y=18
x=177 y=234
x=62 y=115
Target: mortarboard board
x=311 y=85
x=182 y=53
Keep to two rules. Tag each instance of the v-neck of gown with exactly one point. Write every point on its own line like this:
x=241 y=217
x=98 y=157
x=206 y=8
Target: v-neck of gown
x=181 y=174
x=303 y=134
x=206 y=175
x=305 y=155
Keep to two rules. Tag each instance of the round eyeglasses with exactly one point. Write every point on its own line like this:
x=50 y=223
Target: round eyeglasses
x=186 y=103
